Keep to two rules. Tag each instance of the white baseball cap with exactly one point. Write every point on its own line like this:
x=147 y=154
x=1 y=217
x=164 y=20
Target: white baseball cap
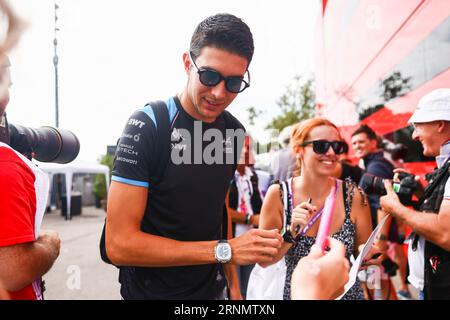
x=432 y=107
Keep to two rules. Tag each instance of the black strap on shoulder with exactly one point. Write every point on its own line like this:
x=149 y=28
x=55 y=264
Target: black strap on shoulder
x=162 y=147
x=437 y=179
x=159 y=161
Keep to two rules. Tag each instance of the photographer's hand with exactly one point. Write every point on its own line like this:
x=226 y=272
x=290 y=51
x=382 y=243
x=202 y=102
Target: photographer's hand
x=390 y=203
x=419 y=191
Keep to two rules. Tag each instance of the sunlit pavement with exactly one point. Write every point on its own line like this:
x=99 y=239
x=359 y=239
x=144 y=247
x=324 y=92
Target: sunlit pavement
x=79 y=273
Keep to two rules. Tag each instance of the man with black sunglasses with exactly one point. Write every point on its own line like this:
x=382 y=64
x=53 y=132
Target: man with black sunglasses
x=166 y=236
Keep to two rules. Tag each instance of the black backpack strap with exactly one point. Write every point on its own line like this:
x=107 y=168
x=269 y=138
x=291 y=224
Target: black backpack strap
x=160 y=159
x=162 y=147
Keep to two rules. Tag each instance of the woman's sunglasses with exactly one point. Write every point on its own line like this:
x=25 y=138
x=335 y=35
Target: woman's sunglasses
x=211 y=78
x=322 y=146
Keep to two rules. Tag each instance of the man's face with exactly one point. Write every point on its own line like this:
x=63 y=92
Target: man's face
x=362 y=145
x=426 y=134
x=207 y=103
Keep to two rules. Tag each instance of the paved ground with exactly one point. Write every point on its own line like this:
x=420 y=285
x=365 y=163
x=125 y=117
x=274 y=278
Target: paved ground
x=79 y=273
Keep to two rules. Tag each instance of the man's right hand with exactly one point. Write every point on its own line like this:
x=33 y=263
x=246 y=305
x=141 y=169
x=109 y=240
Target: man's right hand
x=255 y=246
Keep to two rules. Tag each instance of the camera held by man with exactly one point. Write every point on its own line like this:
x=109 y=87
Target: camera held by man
x=405 y=188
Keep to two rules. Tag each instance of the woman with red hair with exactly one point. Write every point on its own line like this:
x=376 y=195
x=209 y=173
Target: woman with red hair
x=295 y=205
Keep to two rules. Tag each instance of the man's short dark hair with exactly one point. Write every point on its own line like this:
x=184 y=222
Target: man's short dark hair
x=226 y=32
x=367 y=130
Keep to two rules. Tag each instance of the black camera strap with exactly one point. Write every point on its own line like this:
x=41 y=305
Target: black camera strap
x=435 y=181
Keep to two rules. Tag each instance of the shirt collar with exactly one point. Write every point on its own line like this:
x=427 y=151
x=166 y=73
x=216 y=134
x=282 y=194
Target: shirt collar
x=444 y=154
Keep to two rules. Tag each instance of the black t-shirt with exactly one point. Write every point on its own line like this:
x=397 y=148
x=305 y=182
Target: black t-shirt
x=187 y=205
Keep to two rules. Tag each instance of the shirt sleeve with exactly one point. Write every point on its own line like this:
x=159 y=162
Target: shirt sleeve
x=135 y=149
x=447 y=190
x=16 y=205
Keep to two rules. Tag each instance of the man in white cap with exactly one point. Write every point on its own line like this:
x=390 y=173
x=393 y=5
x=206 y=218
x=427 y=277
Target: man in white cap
x=429 y=249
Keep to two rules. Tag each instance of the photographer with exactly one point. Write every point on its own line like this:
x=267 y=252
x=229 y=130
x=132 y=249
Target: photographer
x=25 y=253
x=429 y=251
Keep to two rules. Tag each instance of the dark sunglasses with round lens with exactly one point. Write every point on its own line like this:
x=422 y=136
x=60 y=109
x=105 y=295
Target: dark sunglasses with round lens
x=211 y=78
x=322 y=146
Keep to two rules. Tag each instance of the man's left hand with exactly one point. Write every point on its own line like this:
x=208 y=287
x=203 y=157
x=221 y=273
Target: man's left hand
x=390 y=202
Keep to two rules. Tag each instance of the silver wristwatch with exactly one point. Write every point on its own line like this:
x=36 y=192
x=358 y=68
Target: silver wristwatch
x=222 y=251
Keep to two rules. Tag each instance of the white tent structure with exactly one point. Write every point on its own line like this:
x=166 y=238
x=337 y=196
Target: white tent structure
x=69 y=170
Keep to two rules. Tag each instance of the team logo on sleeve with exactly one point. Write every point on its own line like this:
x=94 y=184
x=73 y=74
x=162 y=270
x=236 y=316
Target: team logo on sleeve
x=136 y=123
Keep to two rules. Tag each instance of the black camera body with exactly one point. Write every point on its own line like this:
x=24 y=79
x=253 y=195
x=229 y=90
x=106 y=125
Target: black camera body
x=405 y=188
x=45 y=144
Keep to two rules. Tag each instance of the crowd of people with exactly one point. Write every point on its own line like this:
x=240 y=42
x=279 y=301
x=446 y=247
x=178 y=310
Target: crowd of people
x=180 y=227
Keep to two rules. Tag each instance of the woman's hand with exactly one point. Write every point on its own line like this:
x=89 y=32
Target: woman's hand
x=375 y=256
x=301 y=216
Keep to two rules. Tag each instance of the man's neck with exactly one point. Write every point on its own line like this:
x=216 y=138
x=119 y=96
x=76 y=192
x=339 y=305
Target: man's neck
x=189 y=108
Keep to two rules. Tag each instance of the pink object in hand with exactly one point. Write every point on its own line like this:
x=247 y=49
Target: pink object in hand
x=325 y=222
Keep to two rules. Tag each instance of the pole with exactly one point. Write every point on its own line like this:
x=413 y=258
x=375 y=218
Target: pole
x=55 y=63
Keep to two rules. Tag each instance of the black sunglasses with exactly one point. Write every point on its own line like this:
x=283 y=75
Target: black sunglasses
x=322 y=146
x=212 y=78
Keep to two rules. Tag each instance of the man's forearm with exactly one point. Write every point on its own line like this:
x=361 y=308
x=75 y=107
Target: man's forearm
x=146 y=250
x=428 y=225
x=21 y=264
x=387 y=225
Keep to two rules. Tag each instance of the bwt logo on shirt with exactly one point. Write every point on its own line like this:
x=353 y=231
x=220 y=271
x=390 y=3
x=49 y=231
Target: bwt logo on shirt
x=136 y=123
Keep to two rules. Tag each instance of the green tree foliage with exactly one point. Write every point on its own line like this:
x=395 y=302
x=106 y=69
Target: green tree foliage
x=253 y=114
x=296 y=104
x=100 y=182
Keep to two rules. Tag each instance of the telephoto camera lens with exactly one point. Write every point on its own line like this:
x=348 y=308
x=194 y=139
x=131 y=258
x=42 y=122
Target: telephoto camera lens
x=47 y=144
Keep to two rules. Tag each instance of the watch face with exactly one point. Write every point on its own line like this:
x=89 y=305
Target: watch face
x=224 y=251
